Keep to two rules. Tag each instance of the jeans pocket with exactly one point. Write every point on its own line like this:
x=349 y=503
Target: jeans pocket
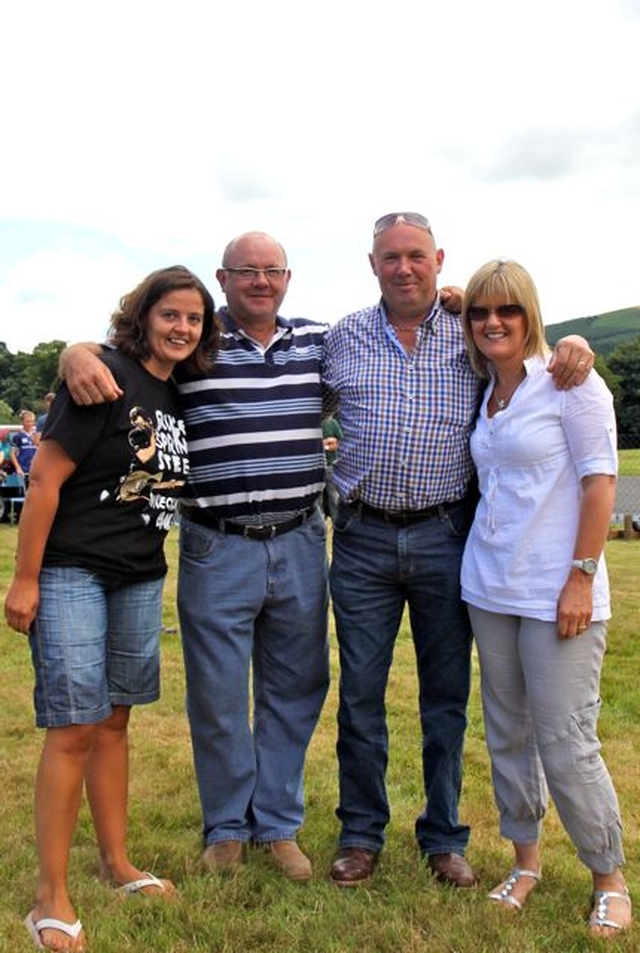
x=344 y=518
x=195 y=542
x=316 y=526
x=458 y=518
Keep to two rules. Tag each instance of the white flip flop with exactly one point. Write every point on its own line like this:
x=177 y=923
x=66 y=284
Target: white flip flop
x=136 y=886
x=35 y=928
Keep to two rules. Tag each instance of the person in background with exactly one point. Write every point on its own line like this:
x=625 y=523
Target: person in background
x=331 y=437
x=42 y=418
x=88 y=583
x=6 y=466
x=24 y=444
x=13 y=485
x=407 y=399
x=535 y=581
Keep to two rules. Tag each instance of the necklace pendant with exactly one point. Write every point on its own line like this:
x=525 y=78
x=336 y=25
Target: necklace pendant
x=501 y=402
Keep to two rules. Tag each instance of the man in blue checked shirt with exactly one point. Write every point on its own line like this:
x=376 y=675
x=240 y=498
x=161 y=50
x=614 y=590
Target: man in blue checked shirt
x=407 y=400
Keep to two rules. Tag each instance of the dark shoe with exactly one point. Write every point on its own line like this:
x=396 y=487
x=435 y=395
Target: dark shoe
x=452 y=869
x=352 y=866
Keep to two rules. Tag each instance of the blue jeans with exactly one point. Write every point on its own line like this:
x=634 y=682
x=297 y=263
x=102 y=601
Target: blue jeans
x=94 y=644
x=376 y=570
x=263 y=604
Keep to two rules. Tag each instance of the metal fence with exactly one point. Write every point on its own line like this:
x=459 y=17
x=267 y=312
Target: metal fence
x=627 y=505
x=627 y=499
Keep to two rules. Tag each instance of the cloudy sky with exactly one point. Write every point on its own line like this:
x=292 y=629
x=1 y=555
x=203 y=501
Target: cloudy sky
x=142 y=133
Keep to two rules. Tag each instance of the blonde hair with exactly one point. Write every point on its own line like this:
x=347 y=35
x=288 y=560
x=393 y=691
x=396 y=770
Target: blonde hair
x=505 y=282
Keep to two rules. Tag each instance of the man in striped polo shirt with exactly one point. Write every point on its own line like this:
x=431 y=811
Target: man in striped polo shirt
x=252 y=588
x=253 y=573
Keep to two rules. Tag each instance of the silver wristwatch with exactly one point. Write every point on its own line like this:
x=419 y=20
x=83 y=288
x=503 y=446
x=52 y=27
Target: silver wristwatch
x=588 y=566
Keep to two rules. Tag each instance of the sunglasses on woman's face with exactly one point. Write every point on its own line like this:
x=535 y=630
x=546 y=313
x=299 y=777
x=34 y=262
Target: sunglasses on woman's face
x=503 y=311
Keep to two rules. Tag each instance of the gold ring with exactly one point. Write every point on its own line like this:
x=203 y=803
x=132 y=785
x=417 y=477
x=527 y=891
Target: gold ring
x=581 y=362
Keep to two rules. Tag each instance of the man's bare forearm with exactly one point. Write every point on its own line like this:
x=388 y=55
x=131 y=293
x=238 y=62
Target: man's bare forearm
x=89 y=380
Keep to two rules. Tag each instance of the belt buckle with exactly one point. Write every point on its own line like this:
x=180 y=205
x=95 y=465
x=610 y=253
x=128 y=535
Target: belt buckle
x=275 y=529
x=260 y=532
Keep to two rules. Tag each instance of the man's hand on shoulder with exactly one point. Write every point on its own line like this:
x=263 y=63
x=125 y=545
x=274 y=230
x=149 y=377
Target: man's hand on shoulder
x=451 y=298
x=88 y=379
x=571 y=361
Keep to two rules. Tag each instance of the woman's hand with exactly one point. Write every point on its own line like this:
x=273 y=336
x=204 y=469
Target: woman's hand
x=21 y=604
x=575 y=605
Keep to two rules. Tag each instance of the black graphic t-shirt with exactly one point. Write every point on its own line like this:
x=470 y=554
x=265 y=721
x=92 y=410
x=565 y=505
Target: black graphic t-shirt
x=132 y=463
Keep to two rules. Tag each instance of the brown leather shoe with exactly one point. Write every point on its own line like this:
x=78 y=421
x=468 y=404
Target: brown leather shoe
x=452 y=869
x=223 y=855
x=352 y=866
x=288 y=857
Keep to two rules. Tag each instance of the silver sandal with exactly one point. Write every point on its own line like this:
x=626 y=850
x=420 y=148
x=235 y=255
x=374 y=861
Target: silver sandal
x=600 y=916
x=505 y=895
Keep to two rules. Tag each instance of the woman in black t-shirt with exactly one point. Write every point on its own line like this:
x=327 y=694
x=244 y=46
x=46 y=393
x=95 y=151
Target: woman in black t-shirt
x=88 y=583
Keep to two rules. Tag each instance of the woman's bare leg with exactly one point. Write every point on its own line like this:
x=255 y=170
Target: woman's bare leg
x=107 y=780
x=58 y=795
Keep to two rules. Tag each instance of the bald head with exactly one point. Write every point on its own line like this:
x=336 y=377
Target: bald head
x=254 y=277
x=236 y=246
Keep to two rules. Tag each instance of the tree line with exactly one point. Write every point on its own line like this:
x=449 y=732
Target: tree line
x=621 y=371
x=26 y=378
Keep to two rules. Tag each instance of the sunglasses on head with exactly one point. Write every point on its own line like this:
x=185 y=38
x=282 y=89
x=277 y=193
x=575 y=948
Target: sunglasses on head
x=503 y=311
x=400 y=218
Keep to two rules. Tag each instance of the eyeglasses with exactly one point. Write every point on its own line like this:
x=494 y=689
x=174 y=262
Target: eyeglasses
x=248 y=274
x=503 y=311
x=400 y=218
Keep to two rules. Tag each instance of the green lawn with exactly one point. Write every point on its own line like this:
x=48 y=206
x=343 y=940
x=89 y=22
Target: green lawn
x=256 y=910
x=629 y=462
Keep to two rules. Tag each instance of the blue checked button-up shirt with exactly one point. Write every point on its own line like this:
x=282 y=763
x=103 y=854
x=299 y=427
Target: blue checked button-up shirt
x=406 y=419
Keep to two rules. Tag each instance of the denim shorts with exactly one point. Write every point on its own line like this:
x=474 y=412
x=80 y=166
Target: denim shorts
x=94 y=645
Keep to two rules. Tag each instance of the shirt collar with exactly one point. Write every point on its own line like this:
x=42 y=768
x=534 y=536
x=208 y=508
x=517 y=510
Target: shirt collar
x=229 y=324
x=431 y=317
x=532 y=366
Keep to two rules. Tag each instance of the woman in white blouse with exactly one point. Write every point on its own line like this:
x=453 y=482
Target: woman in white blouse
x=535 y=581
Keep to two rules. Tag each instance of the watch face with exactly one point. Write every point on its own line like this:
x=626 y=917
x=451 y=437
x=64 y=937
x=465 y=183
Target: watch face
x=589 y=566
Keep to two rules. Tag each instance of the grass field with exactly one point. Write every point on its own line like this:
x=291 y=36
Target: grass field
x=256 y=910
x=629 y=462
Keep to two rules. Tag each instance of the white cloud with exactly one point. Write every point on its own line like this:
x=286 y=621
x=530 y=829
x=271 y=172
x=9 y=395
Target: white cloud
x=143 y=133
x=50 y=296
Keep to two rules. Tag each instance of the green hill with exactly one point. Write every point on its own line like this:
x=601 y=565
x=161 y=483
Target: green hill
x=604 y=332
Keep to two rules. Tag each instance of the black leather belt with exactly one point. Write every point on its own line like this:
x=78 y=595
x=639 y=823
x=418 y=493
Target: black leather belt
x=402 y=517
x=204 y=518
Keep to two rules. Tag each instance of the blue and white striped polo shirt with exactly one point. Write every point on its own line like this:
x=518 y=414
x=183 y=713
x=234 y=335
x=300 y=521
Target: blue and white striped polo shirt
x=254 y=424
